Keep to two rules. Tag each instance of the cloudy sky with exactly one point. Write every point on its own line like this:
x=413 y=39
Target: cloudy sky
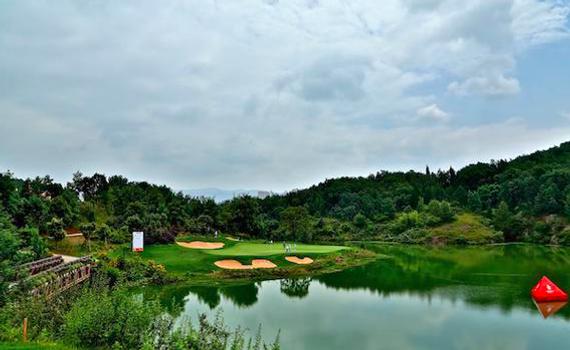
x=277 y=94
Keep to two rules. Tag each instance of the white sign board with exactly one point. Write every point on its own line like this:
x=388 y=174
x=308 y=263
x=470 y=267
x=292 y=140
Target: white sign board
x=138 y=241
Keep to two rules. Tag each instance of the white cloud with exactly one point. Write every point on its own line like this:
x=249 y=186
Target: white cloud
x=539 y=22
x=206 y=91
x=565 y=115
x=432 y=112
x=487 y=86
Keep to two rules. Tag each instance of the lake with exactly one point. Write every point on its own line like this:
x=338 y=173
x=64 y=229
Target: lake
x=415 y=298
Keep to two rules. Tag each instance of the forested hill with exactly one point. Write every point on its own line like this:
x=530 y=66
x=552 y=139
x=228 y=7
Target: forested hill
x=523 y=183
x=525 y=199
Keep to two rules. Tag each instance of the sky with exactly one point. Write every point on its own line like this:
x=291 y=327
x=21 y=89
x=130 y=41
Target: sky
x=275 y=94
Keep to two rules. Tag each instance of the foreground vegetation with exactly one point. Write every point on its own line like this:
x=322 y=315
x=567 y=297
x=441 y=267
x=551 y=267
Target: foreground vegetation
x=100 y=314
x=97 y=316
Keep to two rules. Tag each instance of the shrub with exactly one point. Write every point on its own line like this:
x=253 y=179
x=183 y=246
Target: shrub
x=132 y=269
x=564 y=237
x=413 y=235
x=208 y=336
x=55 y=229
x=360 y=221
x=109 y=320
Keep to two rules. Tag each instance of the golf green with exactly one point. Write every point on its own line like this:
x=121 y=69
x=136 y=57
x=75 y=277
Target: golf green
x=263 y=249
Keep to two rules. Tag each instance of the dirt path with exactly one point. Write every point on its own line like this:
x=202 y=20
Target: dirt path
x=68 y=258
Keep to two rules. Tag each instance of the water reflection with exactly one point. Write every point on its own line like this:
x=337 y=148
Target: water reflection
x=484 y=277
x=548 y=309
x=208 y=295
x=242 y=295
x=295 y=287
x=500 y=276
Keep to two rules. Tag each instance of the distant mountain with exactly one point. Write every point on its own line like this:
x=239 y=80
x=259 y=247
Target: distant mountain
x=220 y=195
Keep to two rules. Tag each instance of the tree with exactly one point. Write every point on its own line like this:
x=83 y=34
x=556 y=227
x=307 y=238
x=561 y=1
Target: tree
x=9 y=245
x=134 y=223
x=88 y=231
x=55 y=229
x=267 y=226
x=502 y=218
x=446 y=213
x=30 y=237
x=66 y=207
x=38 y=245
x=567 y=205
x=34 y=211
x=436 y=209
x=421 y=204
x=103 y=232
x=474 y=201
x=296 y=223
x=241 y=215
x=88 y=187
x=360 y=221
x=205 y=222
x=546 y=201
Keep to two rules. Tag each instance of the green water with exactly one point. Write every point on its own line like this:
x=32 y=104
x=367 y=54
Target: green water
x=418 y=298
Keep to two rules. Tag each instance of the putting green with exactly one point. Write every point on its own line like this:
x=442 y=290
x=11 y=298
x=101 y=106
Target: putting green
x=262 y=249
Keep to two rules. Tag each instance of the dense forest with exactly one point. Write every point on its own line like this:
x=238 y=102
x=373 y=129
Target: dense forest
x=525 y=199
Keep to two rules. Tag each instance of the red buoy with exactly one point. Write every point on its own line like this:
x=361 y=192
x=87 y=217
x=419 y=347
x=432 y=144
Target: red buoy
x=546 y=290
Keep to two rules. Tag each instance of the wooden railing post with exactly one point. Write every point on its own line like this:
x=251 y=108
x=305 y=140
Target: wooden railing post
x=25 y=329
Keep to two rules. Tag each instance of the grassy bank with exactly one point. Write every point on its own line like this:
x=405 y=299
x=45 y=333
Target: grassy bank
x=467 y=228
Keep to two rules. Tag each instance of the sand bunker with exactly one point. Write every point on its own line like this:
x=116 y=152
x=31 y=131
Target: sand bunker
x=236 y=265
x=262 y=264
x=299 y=261
x=201 y=245
x=232 y=265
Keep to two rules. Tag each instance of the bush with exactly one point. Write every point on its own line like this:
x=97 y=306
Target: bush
x=208 y=336
x=360 y=221
x=132 y=269
x=441 y=210
x=413 y=236
x=109 y=320
x=55 y=229
x=564 y=238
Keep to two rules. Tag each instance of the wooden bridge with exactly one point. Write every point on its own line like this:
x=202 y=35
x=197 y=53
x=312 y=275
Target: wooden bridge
x=52 y=276
x=35 y=267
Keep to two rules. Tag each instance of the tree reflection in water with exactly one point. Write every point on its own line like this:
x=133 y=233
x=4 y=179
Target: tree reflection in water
x=486 y=277
x=244 y=295
x=295 y=287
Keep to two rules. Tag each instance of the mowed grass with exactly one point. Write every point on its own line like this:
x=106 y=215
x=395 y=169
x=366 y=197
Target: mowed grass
x=264 y=249
x=177 y=259
x=180 y=260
